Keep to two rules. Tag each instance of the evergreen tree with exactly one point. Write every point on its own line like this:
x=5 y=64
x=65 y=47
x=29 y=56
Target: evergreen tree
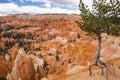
x=103 y=18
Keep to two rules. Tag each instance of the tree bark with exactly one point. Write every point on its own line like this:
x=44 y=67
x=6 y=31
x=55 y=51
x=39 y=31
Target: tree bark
x=99 y=49
x=97 y=56
x=98 y=61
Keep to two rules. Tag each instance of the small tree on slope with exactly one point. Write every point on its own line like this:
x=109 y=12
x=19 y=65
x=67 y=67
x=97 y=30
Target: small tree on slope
x=103 y=18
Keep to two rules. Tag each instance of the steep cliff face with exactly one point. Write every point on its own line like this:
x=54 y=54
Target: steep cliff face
x=56 y=38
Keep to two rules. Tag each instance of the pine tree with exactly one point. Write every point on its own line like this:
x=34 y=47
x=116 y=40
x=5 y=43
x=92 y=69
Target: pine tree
x=103 y=18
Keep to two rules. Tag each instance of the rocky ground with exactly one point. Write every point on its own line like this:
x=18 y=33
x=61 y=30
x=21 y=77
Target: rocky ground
x=84 y=74
x=59 y=41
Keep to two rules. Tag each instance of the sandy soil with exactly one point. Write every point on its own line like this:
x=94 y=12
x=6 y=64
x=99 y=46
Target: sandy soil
x=84 y=74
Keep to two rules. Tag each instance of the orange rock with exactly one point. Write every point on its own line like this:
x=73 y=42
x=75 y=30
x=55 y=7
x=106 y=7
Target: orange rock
x=26 y=70
x=5 y=67
x=14 y=52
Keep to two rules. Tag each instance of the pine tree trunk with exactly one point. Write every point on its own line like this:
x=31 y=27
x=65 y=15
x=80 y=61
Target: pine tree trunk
x=98 y=61
x=99 y=49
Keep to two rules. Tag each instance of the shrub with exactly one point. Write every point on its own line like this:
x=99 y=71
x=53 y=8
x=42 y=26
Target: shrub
x=3 y=78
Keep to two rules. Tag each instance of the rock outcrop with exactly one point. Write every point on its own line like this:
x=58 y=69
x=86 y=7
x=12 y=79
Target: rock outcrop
x=57 y=38
x=27 y=67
